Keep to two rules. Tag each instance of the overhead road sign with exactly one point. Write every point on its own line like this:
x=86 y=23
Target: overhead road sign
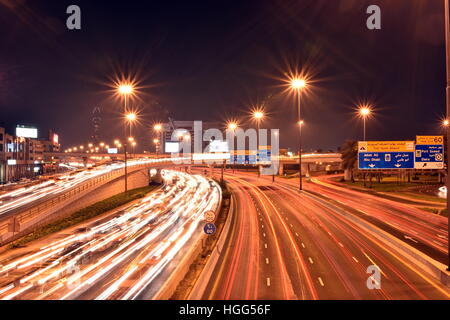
x=385 y=155
x=429 y=152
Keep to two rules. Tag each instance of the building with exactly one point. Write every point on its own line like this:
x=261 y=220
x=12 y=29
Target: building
x=23 y=156
x=175 y=133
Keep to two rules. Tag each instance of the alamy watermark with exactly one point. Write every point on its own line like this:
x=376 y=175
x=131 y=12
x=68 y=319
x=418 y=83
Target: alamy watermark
x=250 y=142
x=374 y=20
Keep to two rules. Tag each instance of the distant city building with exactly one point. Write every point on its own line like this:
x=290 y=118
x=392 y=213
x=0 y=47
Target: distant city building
x=173 y=133
x=22 y=155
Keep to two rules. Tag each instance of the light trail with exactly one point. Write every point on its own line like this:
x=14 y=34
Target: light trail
x=121 y=257
x=27 y=195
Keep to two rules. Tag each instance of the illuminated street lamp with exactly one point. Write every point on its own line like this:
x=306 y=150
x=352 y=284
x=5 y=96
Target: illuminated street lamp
x=364 y=113
x=445 y=123
x=232 y=126
x=258 y=116
x=297 y=85
x=157 y=127
x=125 y=90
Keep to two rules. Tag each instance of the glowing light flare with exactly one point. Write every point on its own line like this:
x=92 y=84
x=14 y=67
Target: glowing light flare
x=297 y=83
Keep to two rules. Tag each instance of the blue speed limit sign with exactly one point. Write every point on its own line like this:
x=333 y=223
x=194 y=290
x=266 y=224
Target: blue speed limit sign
x=210 y=228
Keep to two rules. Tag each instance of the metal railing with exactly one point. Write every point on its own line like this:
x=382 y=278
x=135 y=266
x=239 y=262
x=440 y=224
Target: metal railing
x=37 y=213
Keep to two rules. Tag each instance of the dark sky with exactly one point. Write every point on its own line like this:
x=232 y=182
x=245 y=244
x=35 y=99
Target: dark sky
x=213 y=60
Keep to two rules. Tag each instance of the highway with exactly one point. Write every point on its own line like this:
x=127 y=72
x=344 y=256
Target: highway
x=25 y=197
x=286 y=245
x=124 y=255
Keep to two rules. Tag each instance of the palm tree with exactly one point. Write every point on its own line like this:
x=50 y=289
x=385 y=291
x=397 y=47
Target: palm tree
x=349 y=156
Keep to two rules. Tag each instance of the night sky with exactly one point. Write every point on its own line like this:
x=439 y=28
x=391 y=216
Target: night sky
x=213 y=60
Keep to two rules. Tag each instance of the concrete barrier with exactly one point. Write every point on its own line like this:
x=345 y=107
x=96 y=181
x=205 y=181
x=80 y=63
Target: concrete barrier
x=205 y=276
x=178 y=274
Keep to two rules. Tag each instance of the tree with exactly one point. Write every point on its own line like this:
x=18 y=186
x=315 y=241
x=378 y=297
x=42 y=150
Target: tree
x=349 y=156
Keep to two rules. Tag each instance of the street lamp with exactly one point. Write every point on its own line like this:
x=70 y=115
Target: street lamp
x=364 y=112
x=157 y=127
x=447 y=56
x=126 y=89
x=156 y=142
x=232 y=126
x=297 y=85
x=258 y=116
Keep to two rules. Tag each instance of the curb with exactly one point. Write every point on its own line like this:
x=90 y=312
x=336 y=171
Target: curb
x=202 y=281
x=177 y=275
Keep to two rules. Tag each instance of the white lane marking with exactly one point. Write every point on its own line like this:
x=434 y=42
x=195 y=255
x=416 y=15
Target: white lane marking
x=262 y=226
x=292 y=225
x=303 y=245
x=311 y=260
x=442 y=237
x=341 y=244
x=321 y=282
x=265 y=245
x=410 y=238
x=264 y=235
x=329 y=233
x=268 y=282
x=356 y=260
x=267 y=260
x=438 y=243
x=297 y=234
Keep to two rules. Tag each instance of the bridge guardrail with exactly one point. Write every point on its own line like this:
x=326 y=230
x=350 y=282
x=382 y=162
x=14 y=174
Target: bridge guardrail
x=12 y=226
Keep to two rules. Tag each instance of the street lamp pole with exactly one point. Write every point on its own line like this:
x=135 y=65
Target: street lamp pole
x=447 y=51
x=364 y=124
x=300 y=141
x=125 y=145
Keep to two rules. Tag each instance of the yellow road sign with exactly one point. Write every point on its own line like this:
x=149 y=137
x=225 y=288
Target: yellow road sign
x=430 y=140
x=386 y=146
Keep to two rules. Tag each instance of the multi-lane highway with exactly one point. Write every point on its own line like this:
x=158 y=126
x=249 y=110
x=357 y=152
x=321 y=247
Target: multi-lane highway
x=124 y=255
x=28 y=196
x=287 y=245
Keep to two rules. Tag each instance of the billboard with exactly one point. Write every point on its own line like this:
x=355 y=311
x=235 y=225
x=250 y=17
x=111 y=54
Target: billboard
x=244 y=157
x=264 y=154
x=385 y=155
x=210 y=156
x=172 y=147
x=113 y=150
x=429 y=152
x=219 y=146
x=26 y=132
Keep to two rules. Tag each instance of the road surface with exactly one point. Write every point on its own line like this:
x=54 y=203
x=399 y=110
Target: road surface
x=286 y=245
x=125 y=255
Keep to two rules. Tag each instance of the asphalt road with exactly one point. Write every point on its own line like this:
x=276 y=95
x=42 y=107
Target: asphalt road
x=124 y=255
x=286 y=245
x=28 y=197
